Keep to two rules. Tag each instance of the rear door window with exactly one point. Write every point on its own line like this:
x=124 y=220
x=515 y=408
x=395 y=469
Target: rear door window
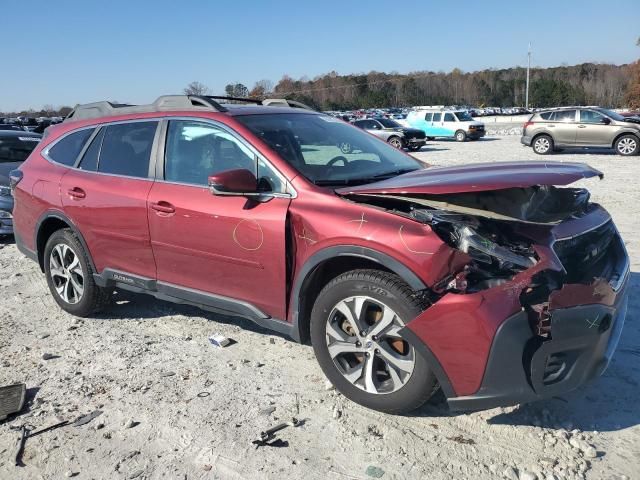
x=437 y=117
x=66 y=151
x=126 y=149
x=565 y=116
x=89 y=160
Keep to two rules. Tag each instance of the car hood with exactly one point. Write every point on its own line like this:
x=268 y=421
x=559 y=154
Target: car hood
x=478 y=178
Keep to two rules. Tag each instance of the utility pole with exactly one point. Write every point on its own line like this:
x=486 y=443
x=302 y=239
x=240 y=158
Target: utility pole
x=526 y=101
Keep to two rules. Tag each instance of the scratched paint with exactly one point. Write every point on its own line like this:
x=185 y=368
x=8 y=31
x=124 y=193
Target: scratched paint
x=418 y=252
x=248 y=235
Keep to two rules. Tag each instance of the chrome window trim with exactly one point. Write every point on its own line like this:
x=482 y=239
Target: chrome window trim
x=162 y=157
x=98 y=127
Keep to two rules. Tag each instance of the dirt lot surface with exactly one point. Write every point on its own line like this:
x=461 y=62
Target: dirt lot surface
x=175 y=407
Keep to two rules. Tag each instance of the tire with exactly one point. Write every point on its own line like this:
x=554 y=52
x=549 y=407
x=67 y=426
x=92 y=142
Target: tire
x=70 y=276
x=332 y=333
x=415 y=148
x=543 y=145
x=395 y=141
x=627 y=145
x=461 y=136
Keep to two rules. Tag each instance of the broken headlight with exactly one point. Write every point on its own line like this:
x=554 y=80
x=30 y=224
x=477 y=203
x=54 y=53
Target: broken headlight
x=485 y=250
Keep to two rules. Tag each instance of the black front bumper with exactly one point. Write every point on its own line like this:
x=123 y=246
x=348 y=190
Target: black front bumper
x=523 y=367
x=475 y=134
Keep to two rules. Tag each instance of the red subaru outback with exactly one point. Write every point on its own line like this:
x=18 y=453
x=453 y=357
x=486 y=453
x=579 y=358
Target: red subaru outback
x=489 y=281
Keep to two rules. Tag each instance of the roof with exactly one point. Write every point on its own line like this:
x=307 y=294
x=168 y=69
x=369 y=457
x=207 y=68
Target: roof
x=167 y=103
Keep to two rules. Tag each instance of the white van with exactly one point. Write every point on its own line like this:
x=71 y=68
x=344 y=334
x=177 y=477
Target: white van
x=439 y=122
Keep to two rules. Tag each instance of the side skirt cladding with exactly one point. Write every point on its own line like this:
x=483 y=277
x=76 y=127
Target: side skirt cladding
x=187 y=296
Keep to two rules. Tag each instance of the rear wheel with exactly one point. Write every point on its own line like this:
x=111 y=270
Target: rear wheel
x=70 y=277
x=395 y=142
x=627 y=145
x=461 y=136
x=355 y=325
x=543 y=145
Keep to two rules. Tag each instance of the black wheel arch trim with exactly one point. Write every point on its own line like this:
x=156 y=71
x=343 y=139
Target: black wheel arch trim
x=57 y=214
x=422 y=348
x=344 y=251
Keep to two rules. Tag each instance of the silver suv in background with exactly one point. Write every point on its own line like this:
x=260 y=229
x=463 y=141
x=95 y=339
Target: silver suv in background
x=551 y=130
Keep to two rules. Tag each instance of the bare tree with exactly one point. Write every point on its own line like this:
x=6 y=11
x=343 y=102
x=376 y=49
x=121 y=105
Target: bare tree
x=196 y=88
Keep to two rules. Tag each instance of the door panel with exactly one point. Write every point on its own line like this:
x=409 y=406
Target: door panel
x=224 y=245
x=111 y=213
x=564 y=127
x=592 y=131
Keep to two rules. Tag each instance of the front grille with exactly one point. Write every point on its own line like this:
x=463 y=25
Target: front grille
x=584 y=253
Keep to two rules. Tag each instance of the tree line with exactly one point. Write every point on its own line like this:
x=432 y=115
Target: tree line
x=585 y=84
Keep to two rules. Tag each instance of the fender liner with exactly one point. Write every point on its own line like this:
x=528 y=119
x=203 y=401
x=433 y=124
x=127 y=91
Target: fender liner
x=345 y=251
x=60 y=216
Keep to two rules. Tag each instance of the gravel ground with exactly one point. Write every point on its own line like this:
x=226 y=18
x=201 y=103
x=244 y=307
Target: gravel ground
x=176 y=407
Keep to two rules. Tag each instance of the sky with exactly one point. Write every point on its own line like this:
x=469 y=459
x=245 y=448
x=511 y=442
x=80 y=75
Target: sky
x=77 y=51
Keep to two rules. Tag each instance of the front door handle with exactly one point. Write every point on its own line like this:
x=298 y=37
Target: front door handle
x=163 y=207
x=582 y=126
x=76 y=193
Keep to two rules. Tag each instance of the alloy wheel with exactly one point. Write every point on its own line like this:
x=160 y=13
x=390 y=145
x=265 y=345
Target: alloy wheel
x=395 y=142
x=542 y=145
x=66 y=273
x=363 y=340
x=627 y=146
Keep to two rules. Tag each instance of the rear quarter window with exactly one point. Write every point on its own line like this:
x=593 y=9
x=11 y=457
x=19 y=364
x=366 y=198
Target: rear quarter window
x=66 y=150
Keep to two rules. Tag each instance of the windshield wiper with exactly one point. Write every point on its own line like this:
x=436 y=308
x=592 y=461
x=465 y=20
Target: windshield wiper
x=364 y=180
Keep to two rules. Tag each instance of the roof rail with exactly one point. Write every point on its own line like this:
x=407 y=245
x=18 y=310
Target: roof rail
x=163 y=103
x=283 y=102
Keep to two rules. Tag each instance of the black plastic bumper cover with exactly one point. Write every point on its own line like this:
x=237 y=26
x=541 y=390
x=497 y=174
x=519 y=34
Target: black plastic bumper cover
x=524 y=368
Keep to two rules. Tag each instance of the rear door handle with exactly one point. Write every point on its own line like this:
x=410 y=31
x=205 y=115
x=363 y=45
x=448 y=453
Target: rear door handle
x=163 y=207
x=76 y=193
x=582 y=126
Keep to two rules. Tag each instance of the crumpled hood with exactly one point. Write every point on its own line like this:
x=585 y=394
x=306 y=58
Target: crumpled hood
x=478 y=177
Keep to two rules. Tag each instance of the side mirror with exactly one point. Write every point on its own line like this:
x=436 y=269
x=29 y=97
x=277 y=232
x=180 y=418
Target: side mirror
x=605 y=120
x=238 y=182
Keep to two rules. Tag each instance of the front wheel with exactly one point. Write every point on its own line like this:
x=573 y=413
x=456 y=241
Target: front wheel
x=461 y=136
x=355 y=331
x=395 y=142
x=627 y=145
x=414 y=148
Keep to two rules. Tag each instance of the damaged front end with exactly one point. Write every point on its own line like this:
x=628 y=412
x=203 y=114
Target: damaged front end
x=536 y=310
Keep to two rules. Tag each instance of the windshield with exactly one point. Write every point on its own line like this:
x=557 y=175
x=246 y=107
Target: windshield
x=388 y=123
x=464 y=116
x=616 y=116
x=326 y=150
x=16 y=149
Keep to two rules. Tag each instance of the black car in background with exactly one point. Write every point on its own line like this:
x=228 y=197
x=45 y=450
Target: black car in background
x=15 y=147
x=393 y=133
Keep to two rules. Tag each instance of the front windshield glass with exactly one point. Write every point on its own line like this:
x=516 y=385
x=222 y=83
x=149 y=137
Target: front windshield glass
x=464 y=116
x=616 y=116
x=328 y=151
x=388 y=123
x=16 y=149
